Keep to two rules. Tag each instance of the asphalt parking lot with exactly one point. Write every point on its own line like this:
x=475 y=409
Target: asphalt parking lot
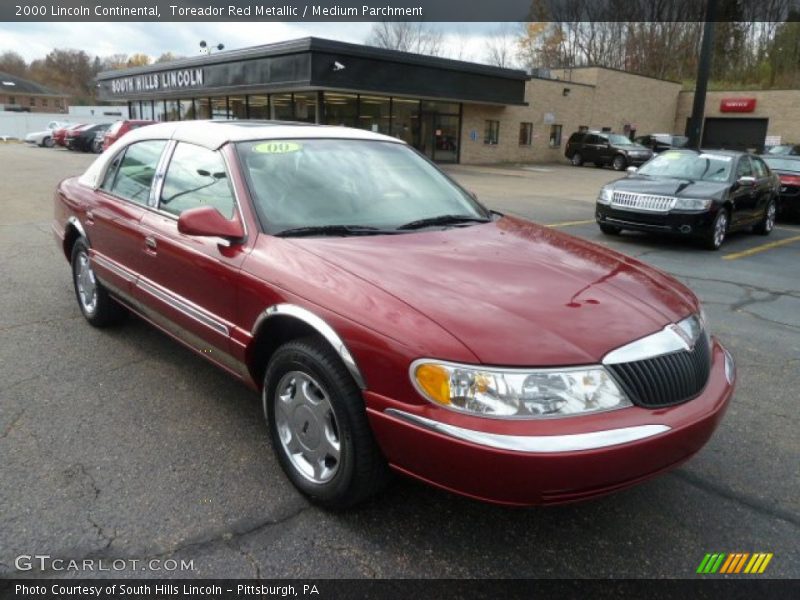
x=121 y=444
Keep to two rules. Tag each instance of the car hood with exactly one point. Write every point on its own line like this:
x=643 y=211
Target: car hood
x=513 y=292
x=668 y=186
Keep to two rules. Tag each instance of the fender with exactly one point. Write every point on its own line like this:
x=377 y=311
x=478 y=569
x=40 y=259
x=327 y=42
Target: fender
x=318 y=324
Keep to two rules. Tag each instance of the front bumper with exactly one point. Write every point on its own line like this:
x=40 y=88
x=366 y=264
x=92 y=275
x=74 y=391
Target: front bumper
x=548 y=461
x=679 y=223
x=638 y=160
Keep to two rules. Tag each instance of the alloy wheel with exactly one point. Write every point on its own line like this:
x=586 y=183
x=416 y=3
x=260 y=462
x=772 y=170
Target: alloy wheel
x=86 y=283
x=720 y=228
x=307 y=427
x=769 y=217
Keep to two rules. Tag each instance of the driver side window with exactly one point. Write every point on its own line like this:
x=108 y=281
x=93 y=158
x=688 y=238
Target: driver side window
x=744 y=169
x=196 y=177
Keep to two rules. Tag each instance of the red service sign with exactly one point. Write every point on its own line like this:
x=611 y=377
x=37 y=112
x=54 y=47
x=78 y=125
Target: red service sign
x=737 y=105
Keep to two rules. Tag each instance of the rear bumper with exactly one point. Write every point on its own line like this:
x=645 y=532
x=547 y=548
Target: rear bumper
x=554 y=461
x=689 y=224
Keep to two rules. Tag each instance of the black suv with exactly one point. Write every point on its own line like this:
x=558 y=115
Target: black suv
x=603 y=148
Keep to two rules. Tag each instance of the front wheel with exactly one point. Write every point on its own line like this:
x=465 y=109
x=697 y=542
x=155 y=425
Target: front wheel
x=99 y=308
x=48 y=142
x=719 y=229
x=767 y=223
x=318 y=425
x=619 y=163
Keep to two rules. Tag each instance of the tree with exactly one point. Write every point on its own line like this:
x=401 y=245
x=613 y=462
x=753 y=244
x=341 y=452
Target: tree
x=501 y=48
x=13 y=64
x=138 y=60
x=167 y=57
x=407 y=36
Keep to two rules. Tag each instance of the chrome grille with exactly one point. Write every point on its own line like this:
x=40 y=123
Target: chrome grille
x=646 y=202
x=667 y=379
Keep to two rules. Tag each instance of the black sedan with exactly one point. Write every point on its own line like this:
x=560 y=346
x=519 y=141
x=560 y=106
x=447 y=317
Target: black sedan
x=700 y=194
x=83 y=138
x=788 y=170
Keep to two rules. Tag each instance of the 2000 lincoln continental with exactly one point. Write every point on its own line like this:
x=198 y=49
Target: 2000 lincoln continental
x=389 y=319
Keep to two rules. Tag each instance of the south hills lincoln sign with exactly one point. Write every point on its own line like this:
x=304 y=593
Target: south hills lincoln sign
x=158 y=82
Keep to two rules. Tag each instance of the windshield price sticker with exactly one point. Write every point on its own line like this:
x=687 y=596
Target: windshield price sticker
x=716 y=157
x=277 y=147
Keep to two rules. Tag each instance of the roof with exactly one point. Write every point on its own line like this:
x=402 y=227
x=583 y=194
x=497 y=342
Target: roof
x=13 y=84
x=314 y=44
x=215 y=134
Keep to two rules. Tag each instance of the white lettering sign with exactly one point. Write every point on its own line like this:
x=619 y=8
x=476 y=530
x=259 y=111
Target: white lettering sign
x=169 y=80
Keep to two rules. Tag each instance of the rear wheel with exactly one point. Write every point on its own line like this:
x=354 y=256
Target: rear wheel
x=99 y=308
x=48 y=142
x=619 y=163
x=577 y=159
x=610 y=229
x=719 y=229
x=318 y=424
x=767 y=223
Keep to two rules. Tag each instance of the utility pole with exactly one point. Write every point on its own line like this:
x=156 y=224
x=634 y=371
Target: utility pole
x=703 y=69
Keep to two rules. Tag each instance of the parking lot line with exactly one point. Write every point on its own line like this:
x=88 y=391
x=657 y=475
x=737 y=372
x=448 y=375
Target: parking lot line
x=761 y=248
x=570 y=223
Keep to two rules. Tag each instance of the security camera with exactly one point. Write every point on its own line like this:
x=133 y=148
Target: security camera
x=337 y=66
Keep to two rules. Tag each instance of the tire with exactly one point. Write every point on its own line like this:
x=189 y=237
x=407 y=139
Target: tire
x=48 y=142
x=97 y=306
x=716 y=235
x=610 y=229
x=318 y=425
x=767 y=222
x=576 y=160
x=619 y=163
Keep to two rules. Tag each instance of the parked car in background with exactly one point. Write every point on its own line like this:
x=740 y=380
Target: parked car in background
x=120 y=128
x=44 y=138
x=60 y=133
x=783 y=149
x=82 y=138
x=702 y=194
x=97 y=144
x=386 y=316
x=602 y=148
x=658 y=142
x=787 y=167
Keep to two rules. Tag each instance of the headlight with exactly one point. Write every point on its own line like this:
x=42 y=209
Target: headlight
x=517 y=393
x=692 y=204
x=605 y=196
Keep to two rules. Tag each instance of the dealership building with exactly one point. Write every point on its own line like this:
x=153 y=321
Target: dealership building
x=452 y=111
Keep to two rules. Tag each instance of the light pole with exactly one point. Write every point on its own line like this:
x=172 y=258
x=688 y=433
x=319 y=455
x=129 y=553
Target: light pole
x=703 y=69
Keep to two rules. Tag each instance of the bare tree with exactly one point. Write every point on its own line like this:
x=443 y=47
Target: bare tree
x=501 y=48
x=407 y=36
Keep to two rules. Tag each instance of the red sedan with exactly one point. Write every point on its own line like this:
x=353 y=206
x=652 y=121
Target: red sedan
x=60 y=134
x=388 y=319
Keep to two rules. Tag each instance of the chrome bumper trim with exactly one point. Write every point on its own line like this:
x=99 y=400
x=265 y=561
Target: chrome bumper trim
x=536 y=444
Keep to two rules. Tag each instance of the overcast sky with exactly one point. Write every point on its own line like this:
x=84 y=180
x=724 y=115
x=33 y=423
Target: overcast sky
x=34 y=40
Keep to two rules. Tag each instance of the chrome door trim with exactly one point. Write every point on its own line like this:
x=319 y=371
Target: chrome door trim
x=181 y=305
x=319 y=324
x=536 y=444
x=106 y=263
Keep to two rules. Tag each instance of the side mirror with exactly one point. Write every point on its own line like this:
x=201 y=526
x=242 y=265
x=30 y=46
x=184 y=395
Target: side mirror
x=631 y=170
x=207 y=221
x=746 y=180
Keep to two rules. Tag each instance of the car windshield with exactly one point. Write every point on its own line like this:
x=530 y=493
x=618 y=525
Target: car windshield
x=329 y=183
x=688 y=165
x=619 y=140
x=782 y=164
x=782 y=149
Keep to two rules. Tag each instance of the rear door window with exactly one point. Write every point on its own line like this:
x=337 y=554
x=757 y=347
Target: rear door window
x=743 y=169
x=759 y=167
x=133 y=176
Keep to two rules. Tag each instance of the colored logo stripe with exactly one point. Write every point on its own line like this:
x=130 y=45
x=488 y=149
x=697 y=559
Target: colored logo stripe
x=734 y=563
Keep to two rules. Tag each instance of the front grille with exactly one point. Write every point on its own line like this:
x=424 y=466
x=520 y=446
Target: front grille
x=667 y=379
x=642 y=201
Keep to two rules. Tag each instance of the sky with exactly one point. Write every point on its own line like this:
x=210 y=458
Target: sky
x=465 y=41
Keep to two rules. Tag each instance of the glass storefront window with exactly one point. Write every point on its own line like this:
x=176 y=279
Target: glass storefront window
x=305 y=107
x=281 y=107
x=341 y=109
x=133 y=110
x=159 y=110
x=450 y=108
x=173 y=111
x=186 y=110
x=202 y=108
x=219 y=108
x=259 y=107
x=146 y=111
x=405 y=120
x=374 y=114
x=237 y=107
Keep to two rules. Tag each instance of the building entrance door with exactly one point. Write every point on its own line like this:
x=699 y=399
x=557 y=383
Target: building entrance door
x=439 y=136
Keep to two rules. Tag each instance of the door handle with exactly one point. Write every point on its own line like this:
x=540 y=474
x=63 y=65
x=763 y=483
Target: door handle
x=150 y=243
x=89 y=217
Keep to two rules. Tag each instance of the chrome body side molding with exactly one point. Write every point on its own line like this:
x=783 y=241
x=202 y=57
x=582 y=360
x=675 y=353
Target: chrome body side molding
x=178 y=304
x=536 y=444
x=317 y=323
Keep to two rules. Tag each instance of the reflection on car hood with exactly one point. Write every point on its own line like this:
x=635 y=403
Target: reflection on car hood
x=513 y=292
x=666 y=186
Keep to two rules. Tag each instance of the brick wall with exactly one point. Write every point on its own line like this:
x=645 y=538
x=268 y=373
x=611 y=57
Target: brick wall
x=34 y=103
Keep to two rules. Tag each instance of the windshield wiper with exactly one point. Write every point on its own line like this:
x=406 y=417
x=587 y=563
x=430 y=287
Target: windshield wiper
x=342 y=230
x=443 y=220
